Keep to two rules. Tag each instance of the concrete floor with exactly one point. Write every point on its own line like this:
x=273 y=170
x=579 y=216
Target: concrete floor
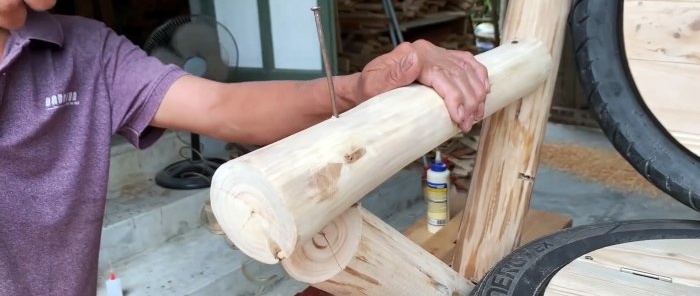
x=588 y=202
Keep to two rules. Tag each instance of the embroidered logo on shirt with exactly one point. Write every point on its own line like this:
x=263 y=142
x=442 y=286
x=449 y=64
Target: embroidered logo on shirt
x=61 y=100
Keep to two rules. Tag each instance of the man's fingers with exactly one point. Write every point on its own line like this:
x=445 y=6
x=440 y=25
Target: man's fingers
x=444 y=85
x=457 y=92
x=470 y=89
x=477 y=80
x=480 y=111
x=473 y=88
x=478 y=68
x=477 y=96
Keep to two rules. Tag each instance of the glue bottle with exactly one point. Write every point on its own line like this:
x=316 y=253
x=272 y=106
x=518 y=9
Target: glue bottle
x=438 y=179
x=114 y=285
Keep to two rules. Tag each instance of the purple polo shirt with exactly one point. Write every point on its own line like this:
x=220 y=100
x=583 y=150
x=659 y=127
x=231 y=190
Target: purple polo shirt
x=67 y=84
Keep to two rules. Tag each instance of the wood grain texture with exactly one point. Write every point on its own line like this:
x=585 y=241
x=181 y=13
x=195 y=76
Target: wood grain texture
x=676 y=261
x=670 y=91
x=667 y=31
x=508 y=151
x=442 y=243
x=661 y=44
x=268 y=200
x=382 y=262
x=540 y=223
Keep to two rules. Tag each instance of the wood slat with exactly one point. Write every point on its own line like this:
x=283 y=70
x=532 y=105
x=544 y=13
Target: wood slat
x=364 y=26
x=690 y=141
x=599 y=272
x=670 y=91
x=661 y=43
x=662 y=30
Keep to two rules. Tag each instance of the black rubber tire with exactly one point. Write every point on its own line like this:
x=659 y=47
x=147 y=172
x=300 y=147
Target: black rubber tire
x=597 y=35
x=528 y=270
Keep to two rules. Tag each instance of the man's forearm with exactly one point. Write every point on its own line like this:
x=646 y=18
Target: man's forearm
x=263 y=112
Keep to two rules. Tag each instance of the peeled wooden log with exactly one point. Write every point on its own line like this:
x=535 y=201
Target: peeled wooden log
x=359 y=254
x=284 y=193
x=508 y=153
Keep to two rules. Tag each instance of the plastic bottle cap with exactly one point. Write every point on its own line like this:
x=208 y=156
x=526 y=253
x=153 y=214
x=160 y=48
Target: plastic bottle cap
x=438 y=167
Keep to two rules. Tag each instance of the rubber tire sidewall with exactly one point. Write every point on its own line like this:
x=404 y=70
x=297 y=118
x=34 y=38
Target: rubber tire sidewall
x=596 y=27
x=528 y=270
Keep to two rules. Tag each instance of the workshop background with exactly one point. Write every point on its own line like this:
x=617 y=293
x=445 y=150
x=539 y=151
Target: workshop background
x=164 y=241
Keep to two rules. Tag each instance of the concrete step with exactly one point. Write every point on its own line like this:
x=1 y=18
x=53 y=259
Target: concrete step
x=154 y=243
x=140 y=214
x=196 y=263
x=146 y=216
x=128 y=163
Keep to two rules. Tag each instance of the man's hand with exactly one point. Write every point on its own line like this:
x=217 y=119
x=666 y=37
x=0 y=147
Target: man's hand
x=455 y=75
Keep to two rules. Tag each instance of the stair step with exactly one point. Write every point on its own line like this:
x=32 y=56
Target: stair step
x=128 y=163
x=201 y=263
x=153 y=239
x=144 y=216
x=196 y=263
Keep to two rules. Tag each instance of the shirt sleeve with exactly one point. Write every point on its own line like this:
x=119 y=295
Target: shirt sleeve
x=136 y=85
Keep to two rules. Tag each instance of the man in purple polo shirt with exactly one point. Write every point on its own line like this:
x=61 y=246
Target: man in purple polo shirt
x=67 y=84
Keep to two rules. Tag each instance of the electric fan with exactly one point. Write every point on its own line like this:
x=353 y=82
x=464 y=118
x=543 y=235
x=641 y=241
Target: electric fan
x=203 y=47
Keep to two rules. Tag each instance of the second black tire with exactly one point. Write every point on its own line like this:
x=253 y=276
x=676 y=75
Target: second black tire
x=528 y=269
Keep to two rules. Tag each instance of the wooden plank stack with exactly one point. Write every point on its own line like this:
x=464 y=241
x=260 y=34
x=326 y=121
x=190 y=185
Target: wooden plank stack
x=364 y=27
x=405 y=9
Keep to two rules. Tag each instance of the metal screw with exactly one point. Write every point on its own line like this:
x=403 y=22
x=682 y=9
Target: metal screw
x=326 y=64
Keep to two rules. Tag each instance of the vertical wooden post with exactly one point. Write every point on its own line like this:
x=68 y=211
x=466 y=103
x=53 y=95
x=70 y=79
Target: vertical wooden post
x=508 y=152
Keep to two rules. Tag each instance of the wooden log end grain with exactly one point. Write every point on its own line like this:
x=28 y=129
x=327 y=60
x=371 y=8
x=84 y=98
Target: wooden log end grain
x=329 y=252
x=253 y=216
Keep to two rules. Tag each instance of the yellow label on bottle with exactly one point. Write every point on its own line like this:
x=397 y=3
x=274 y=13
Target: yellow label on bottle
x=436 y=192
x=437 y=213
x=436 y=195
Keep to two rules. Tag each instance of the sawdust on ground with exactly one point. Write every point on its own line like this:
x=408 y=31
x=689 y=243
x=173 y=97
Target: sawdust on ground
x=605 y=167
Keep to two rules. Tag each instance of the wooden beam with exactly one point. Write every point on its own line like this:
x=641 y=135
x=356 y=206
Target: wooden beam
x=270 y=199
x=441 y=244
x=508 y=152
x=359 y=254
x=540 y=223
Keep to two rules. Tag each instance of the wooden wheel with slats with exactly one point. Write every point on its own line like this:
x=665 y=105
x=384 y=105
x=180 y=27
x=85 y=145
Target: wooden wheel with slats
x=639 y=65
